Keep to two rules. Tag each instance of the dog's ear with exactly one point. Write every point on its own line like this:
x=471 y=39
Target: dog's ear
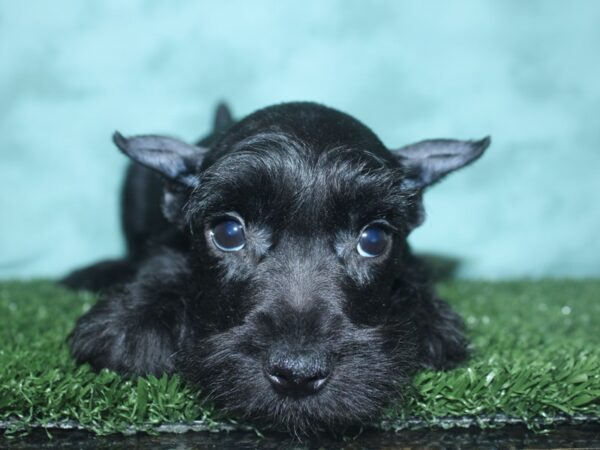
x=177 y=162
x=429 y=161
x=223 y=118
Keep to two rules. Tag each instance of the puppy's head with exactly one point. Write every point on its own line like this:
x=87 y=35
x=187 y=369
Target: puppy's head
x=298 y=219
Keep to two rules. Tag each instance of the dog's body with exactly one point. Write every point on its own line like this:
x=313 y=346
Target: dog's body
x=277 y=276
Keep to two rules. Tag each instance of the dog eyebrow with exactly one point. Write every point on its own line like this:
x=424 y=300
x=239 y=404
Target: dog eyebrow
x=278 y=164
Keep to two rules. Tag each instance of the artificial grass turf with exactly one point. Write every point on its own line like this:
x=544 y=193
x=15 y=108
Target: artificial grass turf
x=536 y=360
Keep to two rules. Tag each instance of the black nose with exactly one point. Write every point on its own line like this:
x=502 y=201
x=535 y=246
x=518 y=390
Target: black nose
x=297 y=374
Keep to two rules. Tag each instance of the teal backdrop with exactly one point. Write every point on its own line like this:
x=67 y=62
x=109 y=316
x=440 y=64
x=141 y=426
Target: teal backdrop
x=525 y=72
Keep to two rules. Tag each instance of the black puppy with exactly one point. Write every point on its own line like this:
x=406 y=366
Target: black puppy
x=281 y=282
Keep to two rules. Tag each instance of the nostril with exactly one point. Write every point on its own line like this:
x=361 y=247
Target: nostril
x=315 y=383
x=278 y=376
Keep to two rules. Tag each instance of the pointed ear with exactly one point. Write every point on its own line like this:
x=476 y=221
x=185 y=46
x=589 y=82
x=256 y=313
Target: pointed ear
x=223 y=118
x=429 y=161
x=177 y=161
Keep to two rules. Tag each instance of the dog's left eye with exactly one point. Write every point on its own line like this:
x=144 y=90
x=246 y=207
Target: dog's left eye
x=228 y=235
x=373 y=241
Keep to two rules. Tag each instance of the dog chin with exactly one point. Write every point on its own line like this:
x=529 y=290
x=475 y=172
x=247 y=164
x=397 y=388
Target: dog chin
x=362 y=383
x=307 y=415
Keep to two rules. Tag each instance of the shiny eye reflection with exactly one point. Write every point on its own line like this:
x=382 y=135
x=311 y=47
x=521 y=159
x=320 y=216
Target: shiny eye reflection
x=373 y=241
x=228 y=235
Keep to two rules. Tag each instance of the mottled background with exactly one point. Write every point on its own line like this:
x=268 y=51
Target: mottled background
x=526 y=72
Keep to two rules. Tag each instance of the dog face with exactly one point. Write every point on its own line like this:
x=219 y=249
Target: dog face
x=306 y=311
x=304 y=243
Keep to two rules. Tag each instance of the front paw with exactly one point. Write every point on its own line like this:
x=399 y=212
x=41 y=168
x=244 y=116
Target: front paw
x=118 y=338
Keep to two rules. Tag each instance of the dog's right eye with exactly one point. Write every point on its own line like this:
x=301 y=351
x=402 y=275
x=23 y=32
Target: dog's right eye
x=228 y=235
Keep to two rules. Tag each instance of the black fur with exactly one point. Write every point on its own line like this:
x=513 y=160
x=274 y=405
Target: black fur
x=305 y=180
